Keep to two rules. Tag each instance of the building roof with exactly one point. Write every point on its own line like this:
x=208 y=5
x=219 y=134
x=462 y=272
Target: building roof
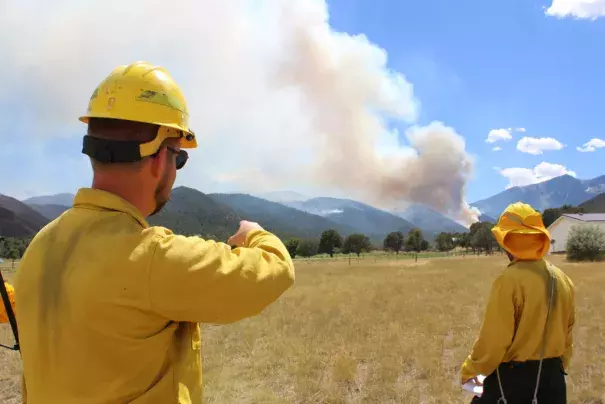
x=587 y=217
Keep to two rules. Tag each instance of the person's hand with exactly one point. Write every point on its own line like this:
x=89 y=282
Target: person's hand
x=475 y=380
x=239 y=238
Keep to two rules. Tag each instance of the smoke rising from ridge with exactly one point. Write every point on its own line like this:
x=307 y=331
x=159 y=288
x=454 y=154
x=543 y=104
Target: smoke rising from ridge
x=276 y=96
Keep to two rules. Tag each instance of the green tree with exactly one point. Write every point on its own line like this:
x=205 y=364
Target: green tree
x=445 y=241
x=463 y=240
x=550 y=215
x=292 y=246
x=482 y=238
x=21 y=247
x=9 y=244
x=307 y=248
x=330 y=239
x=413 y=242
x=13 y=254
x=394 y=241
x=424 y=245
x=357 y=243
x=585 y=243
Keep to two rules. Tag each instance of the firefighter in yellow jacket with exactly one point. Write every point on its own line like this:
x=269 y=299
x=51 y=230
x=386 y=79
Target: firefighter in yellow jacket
x=108 y=306
x=529 y=316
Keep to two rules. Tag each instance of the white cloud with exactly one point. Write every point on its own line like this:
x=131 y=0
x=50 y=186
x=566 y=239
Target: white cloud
x=584 y=9
x=497 y=148
x=592 y=145
x=518 y=177
x=496 y=135
x=536 y=146
x=278 y=98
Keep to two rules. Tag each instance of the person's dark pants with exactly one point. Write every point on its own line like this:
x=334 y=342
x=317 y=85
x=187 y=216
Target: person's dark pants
x=519 y=382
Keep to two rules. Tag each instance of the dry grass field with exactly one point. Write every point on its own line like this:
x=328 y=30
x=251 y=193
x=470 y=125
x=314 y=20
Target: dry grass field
x=372 y=332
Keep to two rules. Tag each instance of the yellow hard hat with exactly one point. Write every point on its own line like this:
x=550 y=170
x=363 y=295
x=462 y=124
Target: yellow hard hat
x=145 y=93
x=521 y=232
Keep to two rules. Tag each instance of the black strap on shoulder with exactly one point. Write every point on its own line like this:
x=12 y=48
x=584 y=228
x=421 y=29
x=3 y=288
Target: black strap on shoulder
x=9 y=312
x=111 y=151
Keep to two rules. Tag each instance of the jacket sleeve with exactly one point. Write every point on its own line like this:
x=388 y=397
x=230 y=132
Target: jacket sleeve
x=496 y=332
x=10 y=290
x=569 y=340
x=197 y=280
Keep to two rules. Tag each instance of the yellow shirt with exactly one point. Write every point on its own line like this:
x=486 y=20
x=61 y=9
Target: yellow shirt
x=513 y=324
x=108 y=307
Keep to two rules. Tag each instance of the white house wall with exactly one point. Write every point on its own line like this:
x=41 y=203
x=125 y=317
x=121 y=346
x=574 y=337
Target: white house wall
x=560 y=231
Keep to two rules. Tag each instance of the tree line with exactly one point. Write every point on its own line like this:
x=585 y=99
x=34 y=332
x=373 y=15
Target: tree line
x=479 y=239
x=583 y=244
x=13 y=248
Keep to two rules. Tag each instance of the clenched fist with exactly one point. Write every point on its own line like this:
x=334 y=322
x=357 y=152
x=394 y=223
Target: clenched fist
x=239 y=238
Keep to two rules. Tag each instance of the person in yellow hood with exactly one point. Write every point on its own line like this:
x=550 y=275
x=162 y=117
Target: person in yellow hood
x=108 y=306
x=529 y=317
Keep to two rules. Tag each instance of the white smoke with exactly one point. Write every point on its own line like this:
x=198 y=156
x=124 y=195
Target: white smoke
x=277 y=97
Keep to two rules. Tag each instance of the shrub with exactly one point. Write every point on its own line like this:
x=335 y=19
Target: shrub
x=585 y=243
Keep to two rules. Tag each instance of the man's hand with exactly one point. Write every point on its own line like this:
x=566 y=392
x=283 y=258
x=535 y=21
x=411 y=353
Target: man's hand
x=239 y=238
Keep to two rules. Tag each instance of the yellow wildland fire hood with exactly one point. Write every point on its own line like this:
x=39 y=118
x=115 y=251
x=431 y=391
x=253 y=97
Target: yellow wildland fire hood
x=521 y=232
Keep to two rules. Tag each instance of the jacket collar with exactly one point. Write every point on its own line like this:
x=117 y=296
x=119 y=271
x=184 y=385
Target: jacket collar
x=90 y=198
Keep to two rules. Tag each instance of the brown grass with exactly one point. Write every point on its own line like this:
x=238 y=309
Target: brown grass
x=374 y=332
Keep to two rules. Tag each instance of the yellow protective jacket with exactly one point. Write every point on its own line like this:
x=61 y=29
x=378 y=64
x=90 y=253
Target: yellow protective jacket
x=514 y=319
x=108 y=307
x=10 y=291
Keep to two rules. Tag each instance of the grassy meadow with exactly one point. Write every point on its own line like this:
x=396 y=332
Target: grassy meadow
x=373 y=330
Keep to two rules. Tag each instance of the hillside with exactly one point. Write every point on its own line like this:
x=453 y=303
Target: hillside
x=559 y=191
x=430 y=221
x=282 y=196
x=594 y=205
x=279 y=219
x=64 y=199
x=17 y=219
x=50 y=212
x=364 y=218
x=191 y=212
x=486 y=218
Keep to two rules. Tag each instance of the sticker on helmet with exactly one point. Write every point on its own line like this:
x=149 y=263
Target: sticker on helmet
x=166 y=100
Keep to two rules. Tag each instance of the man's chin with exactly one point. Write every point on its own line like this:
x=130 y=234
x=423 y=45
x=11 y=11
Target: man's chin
x=159 y=207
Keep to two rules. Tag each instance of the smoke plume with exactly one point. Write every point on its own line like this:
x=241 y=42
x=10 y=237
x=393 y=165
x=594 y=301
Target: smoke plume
x=277 y=97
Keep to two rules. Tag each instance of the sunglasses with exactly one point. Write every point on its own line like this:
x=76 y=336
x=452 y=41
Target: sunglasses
x=181 y=157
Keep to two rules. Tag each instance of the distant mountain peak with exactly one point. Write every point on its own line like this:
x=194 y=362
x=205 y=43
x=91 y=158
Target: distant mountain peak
x=281 y=196
x=553 y=193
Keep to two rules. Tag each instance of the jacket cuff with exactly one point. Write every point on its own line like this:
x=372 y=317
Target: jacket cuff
x=467 y=371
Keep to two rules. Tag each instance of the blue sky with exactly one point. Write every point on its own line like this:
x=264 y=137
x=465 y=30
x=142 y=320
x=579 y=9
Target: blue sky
x=482 y=65
x=477 y=66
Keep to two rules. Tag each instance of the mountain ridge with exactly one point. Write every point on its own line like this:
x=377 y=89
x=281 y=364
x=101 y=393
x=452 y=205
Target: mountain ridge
x=17 y=219
x=594 y=205
x=367 y=219
x=217 y=215
x=552 y=193
x=282 y=220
